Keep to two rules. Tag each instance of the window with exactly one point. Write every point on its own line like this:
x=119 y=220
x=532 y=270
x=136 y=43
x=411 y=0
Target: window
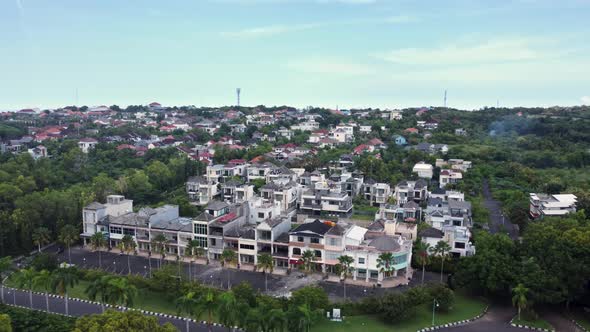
x=334 y=241
x=459 y=245
x=315 y=240
x=261 y=215
x=129 y=231
x=300 y=239
x=116 y=230
x=202 y=241
x=213 y=242
x=361 y=260
x=296 y=251
x=247 y=246
x=201 y=229
x=318 y=254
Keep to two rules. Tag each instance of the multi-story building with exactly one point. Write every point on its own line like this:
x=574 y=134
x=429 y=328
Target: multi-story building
x=455 y=164
x=318 y=201
x=449 y=176
x=416 y=191
x=235 y=191
x=542 y=205
x=423 y=170
x=285 y=195
x=86 y=144
x=201 y=190
x=376 y=193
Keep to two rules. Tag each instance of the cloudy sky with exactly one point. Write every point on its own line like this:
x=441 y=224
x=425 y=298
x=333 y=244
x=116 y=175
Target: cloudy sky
x=345 y=53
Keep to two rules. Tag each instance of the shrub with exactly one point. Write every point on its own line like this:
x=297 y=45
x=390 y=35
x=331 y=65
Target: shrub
x=44 y=261
x=443 y=295
x=31 y=320
x=396 y=307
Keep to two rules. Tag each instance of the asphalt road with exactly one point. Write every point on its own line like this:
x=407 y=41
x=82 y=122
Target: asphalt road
x=498 y=222
x=496 y=319
x=79 y=308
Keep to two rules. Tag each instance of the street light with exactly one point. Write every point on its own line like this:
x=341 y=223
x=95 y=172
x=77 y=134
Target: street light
x=434 y=306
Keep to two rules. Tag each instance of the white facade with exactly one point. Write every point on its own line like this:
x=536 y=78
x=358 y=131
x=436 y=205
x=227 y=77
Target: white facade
x=423 y=169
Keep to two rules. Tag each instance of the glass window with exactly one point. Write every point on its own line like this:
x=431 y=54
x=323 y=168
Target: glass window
x=300 y=239
x=361 y=260
x=318 y=254
x=296 y=251
x=201 y=229
x=315 y=240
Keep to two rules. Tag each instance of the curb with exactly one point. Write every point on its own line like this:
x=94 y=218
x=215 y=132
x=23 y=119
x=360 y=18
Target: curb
x=579 y=325
x=453 y=324
x=529 y=327
x=107 y=306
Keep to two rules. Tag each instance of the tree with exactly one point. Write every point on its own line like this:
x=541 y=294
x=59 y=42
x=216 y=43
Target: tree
x=5 y=323
x=97 y=242
x=228 y=309
x=24 y=279
x=68 y=236
x=43 y=281
x=120 y=291
x=314 y=296
x=422 y=249
x=191 y=250
x=187 y=304
x=307 y=259
x=62 y=279
x=41 y=236
x=115 y=321
x=5 y=266
x=441 y=249
x=159 y=244
x=519 y=299
x=346 y=269
x=208 y=303
x=265 y=263
x=129 y=246
x=98 y=289
x=228 y=256
x=385 y=263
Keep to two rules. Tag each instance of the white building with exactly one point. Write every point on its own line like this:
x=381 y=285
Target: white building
x=423 y=169
x=552 y=205
x=448 y=176
x=86 y=144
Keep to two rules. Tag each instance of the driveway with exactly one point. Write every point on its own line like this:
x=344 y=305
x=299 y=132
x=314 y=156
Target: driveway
x=496 y=319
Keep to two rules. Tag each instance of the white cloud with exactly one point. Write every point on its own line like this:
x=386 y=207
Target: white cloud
x=330 y=66
x=493 y=51
x=585 y=100
x=270 y=30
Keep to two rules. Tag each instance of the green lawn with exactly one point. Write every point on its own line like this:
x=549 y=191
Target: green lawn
x=363 y=217
x=532 y=322
x=465 y=307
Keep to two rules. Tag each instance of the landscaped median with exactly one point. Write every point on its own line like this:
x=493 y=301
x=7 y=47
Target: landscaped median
x=465 y=309
x=537 y=324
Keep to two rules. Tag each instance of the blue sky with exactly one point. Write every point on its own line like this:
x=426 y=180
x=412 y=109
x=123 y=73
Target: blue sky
x=345 y=53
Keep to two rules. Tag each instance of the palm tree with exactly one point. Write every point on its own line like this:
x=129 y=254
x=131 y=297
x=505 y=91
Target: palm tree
x=207 y=302
x=187 y=304
x=441 y=249
x=97 y=242
x=159 y=244
x=43 y=281
x=24 y=279
x=228 y=256
x=129 y=246
x=68 y=236
x=307 y=258
x=5 y=266
x=346 y=269
x=422 y=256
x=98 y=289
x=189 y=251
x=41 y=237
x=227 y=309
x=385 y=263
x=519 y=299
x=120 y=291
x=62 y=279
x=306 y=317
x=276 y=320
x=265 y=263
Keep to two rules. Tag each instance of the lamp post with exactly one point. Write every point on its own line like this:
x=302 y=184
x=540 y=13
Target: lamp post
x=114 y=267
x=434 y=306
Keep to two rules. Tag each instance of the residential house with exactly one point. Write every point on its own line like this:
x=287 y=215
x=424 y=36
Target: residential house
x=423 y=170
x=375 y=192
x=448 y=176
x=201 y=190
x=542 y=205
x=86 y=144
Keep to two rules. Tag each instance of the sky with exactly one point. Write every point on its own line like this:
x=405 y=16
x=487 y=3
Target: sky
x=328 y=53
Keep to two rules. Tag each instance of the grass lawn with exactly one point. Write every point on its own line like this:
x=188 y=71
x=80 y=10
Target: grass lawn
x=465 y=307
x=532 y=322
x=363 y=217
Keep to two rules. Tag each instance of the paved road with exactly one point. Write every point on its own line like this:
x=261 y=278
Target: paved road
x=498 y=222
x=495 y=320
x=558 y=321
x=80 y=308
x=215 y=276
